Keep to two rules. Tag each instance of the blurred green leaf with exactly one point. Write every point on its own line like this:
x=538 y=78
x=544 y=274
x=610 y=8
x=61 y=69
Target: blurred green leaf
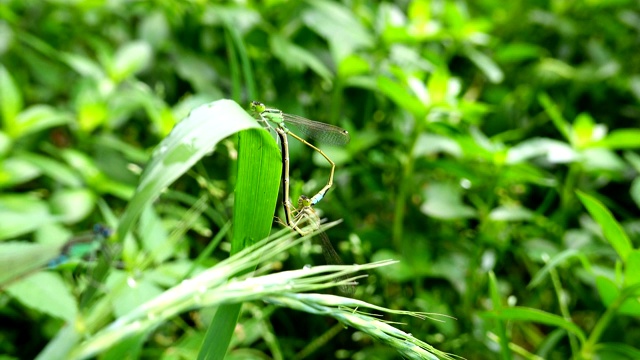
x=298 y=58
x=431 y=144
x=37 y=118
x=398 y=272
x=47 y=293
x=154 y=236
x=584 y=131
x=444 y=201
x=599 y=159
x=556 y=152
x=83 y=65
x=557 y=260
x=14 y=171
x=511 y=213
x=517 y=52
x=10 y=101
x=127 y=299
x=52 y=168
x=19 y=258
x=21 y=214
x=536 y=316
x=332 y=21
x=490 y=69
x=130 y=59
x=353 y=65
x=5 y=144
x=632 y=269
x=610 y=293
x=611 y=229
x=92 y=111
x=621 y=139
x=635 y=191
x=401 y=96
x=72 y=205
x=556 y=117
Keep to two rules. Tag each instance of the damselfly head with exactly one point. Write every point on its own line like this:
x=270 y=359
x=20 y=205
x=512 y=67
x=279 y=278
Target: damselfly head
x=304 y=201
x=257 y=106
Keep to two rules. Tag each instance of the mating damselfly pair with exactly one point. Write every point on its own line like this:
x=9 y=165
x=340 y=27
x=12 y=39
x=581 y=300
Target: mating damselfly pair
x=303 y=218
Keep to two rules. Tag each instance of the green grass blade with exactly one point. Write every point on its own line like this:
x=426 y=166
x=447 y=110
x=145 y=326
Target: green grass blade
x=256 y=195
x=537 y=316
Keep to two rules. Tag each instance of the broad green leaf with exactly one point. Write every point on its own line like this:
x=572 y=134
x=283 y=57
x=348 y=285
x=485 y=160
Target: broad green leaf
x=622 y=139
x=297 y=57
x=14 y=171
x=431 y=144
x=21 y=214
x=19 y=258
x=401 y=96
x=444 y=201
x=52 y=168
x=556 y=152
x=5 y=144
x=129 y=60
x=127 y=298
x=585 y=131
x=600 y=159
x=438 y=85
x=617 y=350
x=10 y=101
x=633 y=159
x=72 y=205
x=632 y=269
x=517 y=52
x=83 y=65
x=333 y=21
x=398 y=272
x=611 y=229
x=511 y=213
x=154 y=236
x=37 y=118
x=536 y=316
x=610 y=294
x=353 y=65
x=47 y=293
x=198 y=71
x=486 y=64
x=93 y=176
x=91 y=113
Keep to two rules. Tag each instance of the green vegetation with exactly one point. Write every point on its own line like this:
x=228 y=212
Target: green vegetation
x=493 y=156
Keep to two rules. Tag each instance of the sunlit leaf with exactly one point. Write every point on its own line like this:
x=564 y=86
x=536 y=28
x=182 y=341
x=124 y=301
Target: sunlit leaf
x=47 y=293
x=611 y=229
x=10 y=101
x=130 y=59
x=444 y=201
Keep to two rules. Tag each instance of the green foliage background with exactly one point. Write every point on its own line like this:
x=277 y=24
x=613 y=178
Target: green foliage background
x=494 y=153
